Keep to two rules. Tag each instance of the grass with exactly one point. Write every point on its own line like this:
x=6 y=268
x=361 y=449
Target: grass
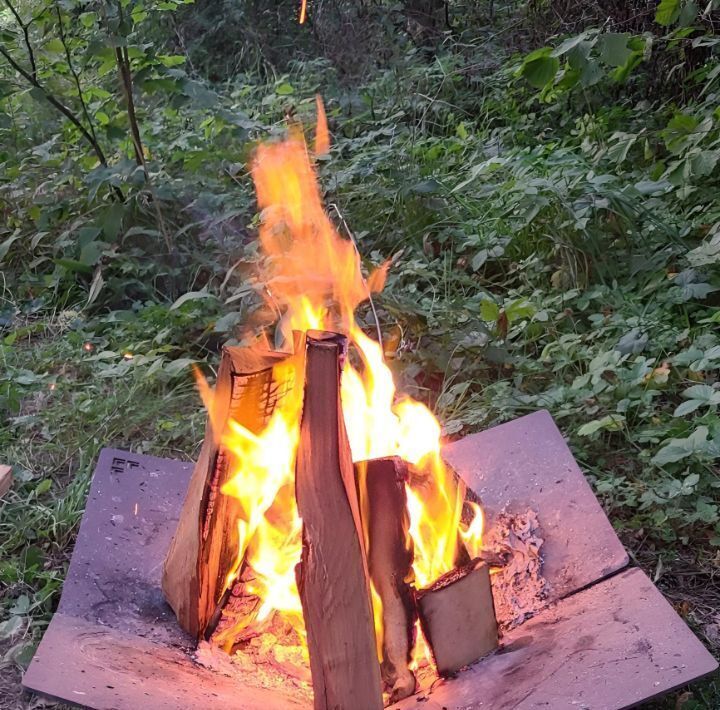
x=544 y=257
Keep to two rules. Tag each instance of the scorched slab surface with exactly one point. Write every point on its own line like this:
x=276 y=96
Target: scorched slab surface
x=115 y=644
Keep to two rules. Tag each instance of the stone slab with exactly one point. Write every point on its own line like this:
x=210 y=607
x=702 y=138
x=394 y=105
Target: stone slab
x=114 y=643
x=525 y=464
x=611 y=646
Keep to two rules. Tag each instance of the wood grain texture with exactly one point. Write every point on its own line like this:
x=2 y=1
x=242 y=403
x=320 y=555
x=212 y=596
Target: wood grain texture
x=458 y=618
x=204 y=549
x=386 y=524
x=332 y=575
x=6 y=479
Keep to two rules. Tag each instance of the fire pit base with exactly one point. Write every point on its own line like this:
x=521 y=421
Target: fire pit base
x=114 y=643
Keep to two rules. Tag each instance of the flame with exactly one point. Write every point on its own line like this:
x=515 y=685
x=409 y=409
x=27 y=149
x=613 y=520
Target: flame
x=314 y=278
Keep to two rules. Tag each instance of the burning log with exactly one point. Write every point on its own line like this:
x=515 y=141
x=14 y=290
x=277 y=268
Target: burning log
x=204 y=551
x=332 y=575
x=381 y=487
x=458 y=617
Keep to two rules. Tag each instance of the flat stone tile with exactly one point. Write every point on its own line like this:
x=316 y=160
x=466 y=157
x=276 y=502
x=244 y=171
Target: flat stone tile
x=114 y=643
x=525 y=464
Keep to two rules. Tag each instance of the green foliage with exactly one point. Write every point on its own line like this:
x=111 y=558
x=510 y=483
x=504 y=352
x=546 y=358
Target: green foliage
x=553 y=220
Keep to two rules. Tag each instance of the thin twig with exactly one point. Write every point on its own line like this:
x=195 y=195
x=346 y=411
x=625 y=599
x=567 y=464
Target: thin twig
x=26 y=35
x=64 y=110
x=71 y=66
x=367 y=288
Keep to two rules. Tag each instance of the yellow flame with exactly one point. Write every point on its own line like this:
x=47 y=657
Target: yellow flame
x=315 y=280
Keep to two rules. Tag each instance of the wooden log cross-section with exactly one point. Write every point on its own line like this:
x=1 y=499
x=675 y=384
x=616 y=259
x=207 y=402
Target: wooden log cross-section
x=457 y=617
x=333 y=578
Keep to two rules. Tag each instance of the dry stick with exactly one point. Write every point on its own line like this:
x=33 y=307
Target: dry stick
x=367 y=288
x=332 y=575
x=122 y=59
x=26 y=35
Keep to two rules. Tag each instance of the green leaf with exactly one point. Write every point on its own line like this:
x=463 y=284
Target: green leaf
x=687 y=408
x=679 y=128
x=171 y=60
x=190 y=296
x=519 y=309
x=568 y=44
x=10 y=627
x=489 y=310
x=610 y=422
x=667 y=12
x=613 y=48
x=54 y=46
x=284 y=89
x=43 y=487
x=74 y=265
x=678 y=449
x=540 y=67
x=175 y=367
x=5 y=246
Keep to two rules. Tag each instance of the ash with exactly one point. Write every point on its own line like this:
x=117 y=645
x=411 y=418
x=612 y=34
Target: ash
x=271 y=655
x=518 y=585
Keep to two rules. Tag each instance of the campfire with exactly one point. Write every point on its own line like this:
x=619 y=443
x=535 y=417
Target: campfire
x=320 y=513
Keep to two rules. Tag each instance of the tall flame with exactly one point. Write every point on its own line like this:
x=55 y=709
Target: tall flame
x=314 y=278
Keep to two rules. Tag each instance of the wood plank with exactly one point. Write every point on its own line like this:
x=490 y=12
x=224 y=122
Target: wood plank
x=332 y=575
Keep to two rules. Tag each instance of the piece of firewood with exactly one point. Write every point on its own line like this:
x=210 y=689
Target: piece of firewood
x=386 y=523
x=6 y=479
x=204 y=549
x=332 y=575
x=457 y=617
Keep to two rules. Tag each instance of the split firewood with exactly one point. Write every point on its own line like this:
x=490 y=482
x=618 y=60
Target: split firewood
x=6 y=479
x=383 y=501
x=332 y=575
x=205 y=547
x=457 y=617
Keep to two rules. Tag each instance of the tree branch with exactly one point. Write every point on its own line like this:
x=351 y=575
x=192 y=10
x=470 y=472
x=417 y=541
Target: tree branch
x=75 y=74
x=26 y=35
x=56 y=103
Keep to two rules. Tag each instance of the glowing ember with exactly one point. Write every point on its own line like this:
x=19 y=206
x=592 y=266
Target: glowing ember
x=313 y=277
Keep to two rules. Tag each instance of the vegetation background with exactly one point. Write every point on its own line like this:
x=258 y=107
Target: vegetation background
x=544 y=175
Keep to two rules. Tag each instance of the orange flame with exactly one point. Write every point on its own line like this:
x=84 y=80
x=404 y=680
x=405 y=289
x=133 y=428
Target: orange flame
x=314 y=278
